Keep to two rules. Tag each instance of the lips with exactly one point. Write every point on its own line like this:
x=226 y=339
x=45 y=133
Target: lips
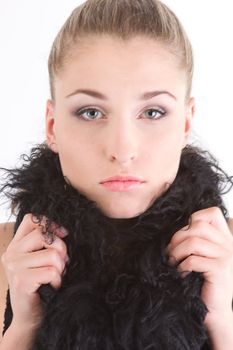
x=122 y=179
x=122 y=183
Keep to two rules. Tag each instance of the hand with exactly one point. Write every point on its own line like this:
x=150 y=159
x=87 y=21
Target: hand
x=28 y=265
x=207 y=246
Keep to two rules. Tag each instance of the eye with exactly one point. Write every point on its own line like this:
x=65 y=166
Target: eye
x=92 y=113
x=88 y=113
x=155 y=113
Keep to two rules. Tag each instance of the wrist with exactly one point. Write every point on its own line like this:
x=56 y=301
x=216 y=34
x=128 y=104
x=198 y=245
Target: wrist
x=220 y=332
x=214 y=322
x=23 y=328
x=18 y=337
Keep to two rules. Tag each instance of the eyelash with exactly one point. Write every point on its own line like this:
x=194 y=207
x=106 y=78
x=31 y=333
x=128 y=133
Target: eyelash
x=79 y=113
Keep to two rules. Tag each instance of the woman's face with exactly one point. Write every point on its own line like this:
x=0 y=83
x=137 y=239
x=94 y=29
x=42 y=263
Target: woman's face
x=120 y=132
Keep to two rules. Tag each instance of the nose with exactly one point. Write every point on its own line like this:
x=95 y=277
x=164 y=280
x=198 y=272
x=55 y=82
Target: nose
x=122 y=141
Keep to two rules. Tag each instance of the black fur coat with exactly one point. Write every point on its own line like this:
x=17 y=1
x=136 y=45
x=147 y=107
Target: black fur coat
x=118 y=292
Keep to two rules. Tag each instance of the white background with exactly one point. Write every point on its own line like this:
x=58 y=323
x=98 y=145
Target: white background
x=27 y=30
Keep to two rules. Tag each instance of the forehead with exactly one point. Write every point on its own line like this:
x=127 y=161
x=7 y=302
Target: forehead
x=108 y=60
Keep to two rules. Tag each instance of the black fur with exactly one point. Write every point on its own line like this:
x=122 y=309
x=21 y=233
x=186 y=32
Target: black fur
x=118 y=292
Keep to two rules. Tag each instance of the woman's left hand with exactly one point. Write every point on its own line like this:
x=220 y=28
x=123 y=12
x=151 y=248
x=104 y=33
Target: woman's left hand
x=207 y=247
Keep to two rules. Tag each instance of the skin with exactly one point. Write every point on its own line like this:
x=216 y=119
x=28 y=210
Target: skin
x=122 y=141
x=207 y=246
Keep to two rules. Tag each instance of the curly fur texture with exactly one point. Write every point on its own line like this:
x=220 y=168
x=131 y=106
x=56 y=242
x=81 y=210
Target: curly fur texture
x=118 y=292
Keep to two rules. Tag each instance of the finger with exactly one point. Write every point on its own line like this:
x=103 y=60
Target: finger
x=29 y=223
x=34 y=241
x=200 y=229
x=50 y=229
x=28 y=281
x=212 y=269
x=196 y=246
x=213 y=216
x=45 y=257
x=59 y=231
x=197 y=264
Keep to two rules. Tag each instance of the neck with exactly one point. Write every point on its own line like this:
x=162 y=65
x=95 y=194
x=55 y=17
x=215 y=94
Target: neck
x=123 y=223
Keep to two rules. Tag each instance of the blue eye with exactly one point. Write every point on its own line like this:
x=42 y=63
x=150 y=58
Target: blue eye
x=159 y=113
x=92 y=116
x=92 y=113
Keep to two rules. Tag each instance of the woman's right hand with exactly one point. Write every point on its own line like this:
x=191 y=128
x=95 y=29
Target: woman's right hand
x=27 y=266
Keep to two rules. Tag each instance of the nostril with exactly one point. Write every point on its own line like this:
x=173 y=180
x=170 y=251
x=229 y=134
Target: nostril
x=122 y=160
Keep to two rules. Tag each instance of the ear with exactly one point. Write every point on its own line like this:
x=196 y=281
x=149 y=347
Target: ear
x=189 y=115
x=50 y=126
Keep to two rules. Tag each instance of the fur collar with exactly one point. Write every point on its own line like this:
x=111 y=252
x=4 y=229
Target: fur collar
x=118 y=291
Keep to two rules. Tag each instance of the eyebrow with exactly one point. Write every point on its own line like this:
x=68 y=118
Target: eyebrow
x=145 y=96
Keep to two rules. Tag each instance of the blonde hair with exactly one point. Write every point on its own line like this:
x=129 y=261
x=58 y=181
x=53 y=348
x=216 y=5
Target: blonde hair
x=123 y=19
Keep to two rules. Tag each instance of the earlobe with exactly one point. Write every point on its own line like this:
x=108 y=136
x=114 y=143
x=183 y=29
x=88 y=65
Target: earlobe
x=50 y=126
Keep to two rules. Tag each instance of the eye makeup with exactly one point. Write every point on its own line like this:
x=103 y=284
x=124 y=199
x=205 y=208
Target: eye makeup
x=80 y=113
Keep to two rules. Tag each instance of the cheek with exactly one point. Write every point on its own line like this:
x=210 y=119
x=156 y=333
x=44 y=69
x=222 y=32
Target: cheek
x=166 y=153
x=75 y=148
x=167 y=144
x=173 y=143
x=69 y=136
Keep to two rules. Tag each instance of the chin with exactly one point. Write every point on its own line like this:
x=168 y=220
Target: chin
x=122 y=212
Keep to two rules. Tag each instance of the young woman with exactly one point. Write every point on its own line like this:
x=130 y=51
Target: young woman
x=121 y=239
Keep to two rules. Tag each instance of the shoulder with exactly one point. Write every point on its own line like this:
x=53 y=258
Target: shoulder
x=6 y=229
x=6 y=235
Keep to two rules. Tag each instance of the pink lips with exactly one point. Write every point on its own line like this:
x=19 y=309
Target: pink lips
x=122 y=183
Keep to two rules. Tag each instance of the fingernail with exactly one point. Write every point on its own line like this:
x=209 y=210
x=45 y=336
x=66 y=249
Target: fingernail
x=184 y=274
x=184 y=228
x=63 y=231
x=168 y=248
x=172 y=260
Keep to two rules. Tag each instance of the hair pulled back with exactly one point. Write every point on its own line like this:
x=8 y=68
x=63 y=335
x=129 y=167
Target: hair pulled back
x=123 y=19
